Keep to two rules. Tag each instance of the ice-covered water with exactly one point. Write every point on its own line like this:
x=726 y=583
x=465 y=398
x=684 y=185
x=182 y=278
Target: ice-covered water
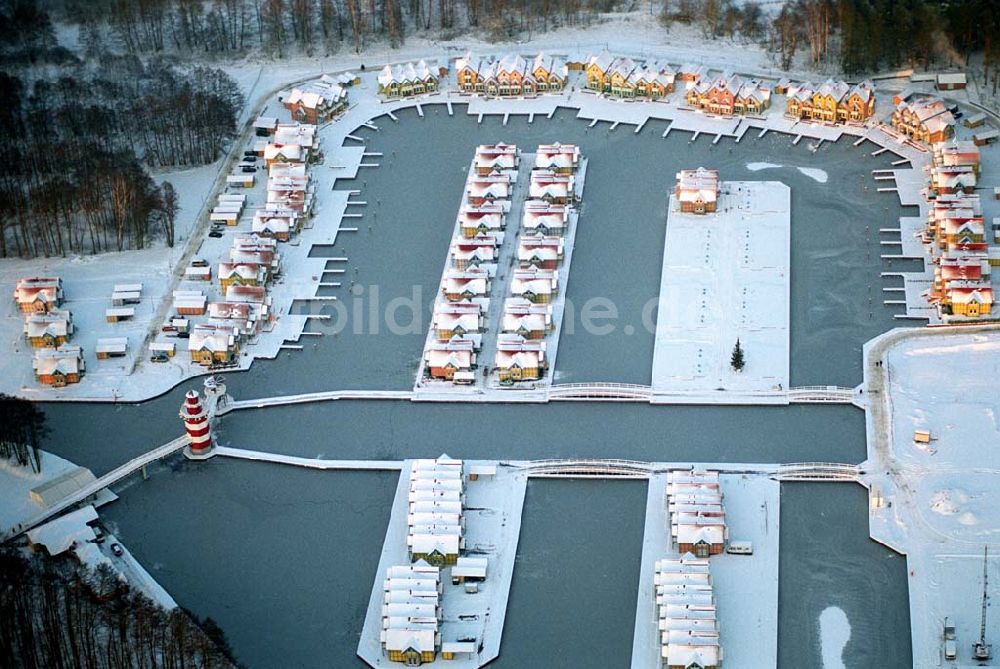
x=307 y=542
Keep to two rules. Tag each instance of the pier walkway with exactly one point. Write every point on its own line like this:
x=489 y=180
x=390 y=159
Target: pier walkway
x=571 y=392
x=109 y=479
x=311 y=463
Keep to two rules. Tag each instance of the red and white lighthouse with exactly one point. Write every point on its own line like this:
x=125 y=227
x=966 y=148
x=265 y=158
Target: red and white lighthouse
x=196 y=424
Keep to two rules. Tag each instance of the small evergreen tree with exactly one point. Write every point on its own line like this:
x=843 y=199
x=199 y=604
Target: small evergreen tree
x=736 y=361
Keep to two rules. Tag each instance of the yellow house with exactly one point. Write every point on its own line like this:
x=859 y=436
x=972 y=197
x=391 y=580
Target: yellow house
x=970 y=301
x=240 y=274
x=48 y=330
x=596 y=70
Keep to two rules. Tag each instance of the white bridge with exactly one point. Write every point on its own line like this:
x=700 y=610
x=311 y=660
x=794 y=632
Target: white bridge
x=233 y=405
x=562 y=392
x=823 y=394
x=607 y=392
x=109 y=479
x=818 y=471
x=589 y=469
x=629 y=392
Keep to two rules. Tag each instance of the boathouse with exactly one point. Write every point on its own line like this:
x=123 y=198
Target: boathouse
x=59 y=366
x=697 y=191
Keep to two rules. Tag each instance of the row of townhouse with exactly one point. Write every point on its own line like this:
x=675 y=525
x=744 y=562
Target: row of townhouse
x=924 y=119
x=623 y=77
x=408 y=79
x=833 y=101
x=697 y=515
x=510 y=75
x=957 y=237
x=687 y=618
x=245 y=308
x=316 y=101
x=411 y=613
x=697 y=191
x=458 y=318
x=48 y=329
x=729 y=94
x=527 y=313
x=413 y=601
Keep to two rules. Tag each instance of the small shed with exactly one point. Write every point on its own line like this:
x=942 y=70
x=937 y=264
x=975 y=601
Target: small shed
x=951 y=81
x=198 y=273
x=974 y=120
x=485 y=471
x=120 y=299
x=118 y=314
x=265 y=126
x=240 y=180
x=166 y=347
x=127 y=288
x=112 y=347
x=922 y=436
x=190 y=305
x=986 y=137
x=55 y=490
x=227 y=217
x=451 y=650
x=233 y=197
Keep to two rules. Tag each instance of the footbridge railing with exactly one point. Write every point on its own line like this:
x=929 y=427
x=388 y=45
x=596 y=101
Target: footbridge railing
x=593 y=469
x=261 y=402
x=817 y=471
x=821 y=394
x=109 y=479
x=620 y=392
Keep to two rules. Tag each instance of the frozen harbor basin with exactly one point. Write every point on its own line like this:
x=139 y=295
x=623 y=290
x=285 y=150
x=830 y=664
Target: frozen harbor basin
x=492 y=512
x=745 y=586
x=937 y=502
x=725 y=277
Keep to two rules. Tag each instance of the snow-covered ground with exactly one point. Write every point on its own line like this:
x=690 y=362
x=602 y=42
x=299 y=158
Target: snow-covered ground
x=726 y=276
x=16 y=483
x=937 y=502
x=745 y=586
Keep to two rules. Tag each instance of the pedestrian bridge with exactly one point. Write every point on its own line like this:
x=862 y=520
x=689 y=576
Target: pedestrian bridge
x=822 y=394
x=817 y=471
x=281 y=400
x=109 y=479
x=607 y=392
x=589 y=469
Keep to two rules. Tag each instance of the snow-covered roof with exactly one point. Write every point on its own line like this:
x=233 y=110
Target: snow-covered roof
x=700 y=185
x=66 y=359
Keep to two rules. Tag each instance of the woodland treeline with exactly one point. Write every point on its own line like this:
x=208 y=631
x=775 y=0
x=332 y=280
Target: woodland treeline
x=859 y=35
x=856 y=35
x=22 y=427
x=79 y=133
x=59 y=615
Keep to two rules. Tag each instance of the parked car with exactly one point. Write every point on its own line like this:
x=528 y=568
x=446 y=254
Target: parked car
x=248 y=169
x=215 y=234
x=117 y=550
x=168 y=328
x=248 y=154
x=184 y=335
x=199 y=262
x=250 y=158
x=159 y=356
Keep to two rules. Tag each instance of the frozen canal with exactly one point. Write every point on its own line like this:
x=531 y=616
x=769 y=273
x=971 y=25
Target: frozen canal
x=284 y=558
x=309 y=541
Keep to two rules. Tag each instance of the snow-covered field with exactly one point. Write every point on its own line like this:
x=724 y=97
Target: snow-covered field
x=938 y=502
x=726 y=276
